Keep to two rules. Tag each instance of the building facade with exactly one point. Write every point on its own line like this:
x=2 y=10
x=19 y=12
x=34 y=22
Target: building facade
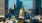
x=6 y=8
x=41 y=8
x=18 y=4
x=36 y=6
x=3 y=10
x=41 y=3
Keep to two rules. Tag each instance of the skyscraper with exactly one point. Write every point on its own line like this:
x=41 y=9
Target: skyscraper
x=3 y=6
x=18 y=4
x=40 y=12
x=41 y=3
x=18 y=7
x=6 y=8
x=36 y=6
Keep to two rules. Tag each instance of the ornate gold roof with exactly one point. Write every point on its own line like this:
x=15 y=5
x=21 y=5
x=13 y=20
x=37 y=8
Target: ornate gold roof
x=22 y=8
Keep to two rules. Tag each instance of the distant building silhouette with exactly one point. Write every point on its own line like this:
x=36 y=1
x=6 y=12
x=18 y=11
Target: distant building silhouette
x=11 y=11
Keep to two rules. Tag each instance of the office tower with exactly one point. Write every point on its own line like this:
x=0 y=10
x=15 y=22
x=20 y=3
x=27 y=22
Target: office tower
x=6 y=8
x=36 y=6
x=2 y=9
x=40 y=12
x=18 y=4
x=21 y=13
x=18 y=7
x=3 y=6
x=41 y=3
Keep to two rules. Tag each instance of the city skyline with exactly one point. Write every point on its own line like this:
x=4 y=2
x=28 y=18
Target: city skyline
x=27 y=4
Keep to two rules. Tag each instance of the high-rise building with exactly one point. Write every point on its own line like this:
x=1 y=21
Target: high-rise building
x=2 y=9
x=18 y=7
x=3 y=6
x=6 y=8
x=40 y=12
x=41 y=3
x=36 y=6
x=18 y=4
